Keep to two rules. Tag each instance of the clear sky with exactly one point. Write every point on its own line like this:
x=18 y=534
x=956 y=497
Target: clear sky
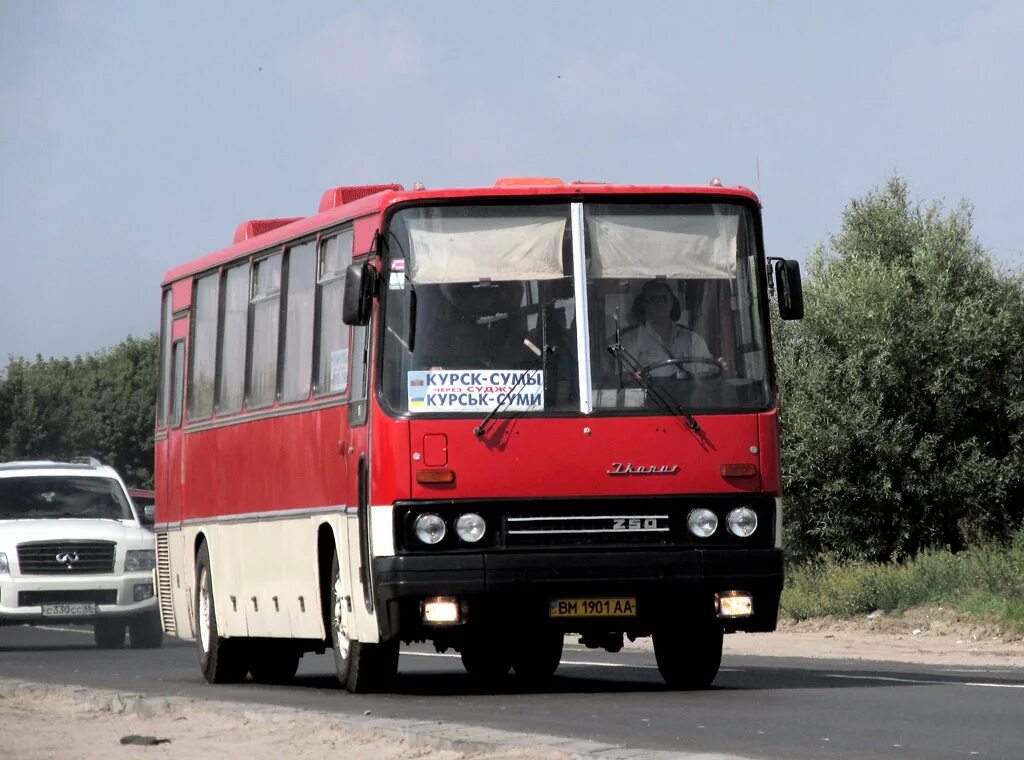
x=136 y=135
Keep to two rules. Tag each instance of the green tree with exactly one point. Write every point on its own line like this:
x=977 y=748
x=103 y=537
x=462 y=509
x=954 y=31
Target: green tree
x=100 y=405
x=902 y=388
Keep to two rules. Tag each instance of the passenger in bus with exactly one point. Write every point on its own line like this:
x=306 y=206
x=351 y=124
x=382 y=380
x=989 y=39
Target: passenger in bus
x=657 y=337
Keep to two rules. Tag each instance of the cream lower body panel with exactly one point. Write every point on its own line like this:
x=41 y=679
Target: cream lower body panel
x=266 y=575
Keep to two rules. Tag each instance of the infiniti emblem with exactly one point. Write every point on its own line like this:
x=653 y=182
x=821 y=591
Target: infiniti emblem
x=66 y=558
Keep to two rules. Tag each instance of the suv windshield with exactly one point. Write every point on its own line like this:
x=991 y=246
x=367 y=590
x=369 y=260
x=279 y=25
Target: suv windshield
x=54 y=496
x=481 y=304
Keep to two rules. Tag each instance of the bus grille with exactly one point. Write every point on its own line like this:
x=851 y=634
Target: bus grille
x=582 y=529
x=66 y=558
x=163 y=577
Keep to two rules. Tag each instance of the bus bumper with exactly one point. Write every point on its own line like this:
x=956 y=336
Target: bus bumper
x=667 y=584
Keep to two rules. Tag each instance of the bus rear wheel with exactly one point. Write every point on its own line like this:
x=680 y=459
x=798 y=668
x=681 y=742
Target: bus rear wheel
x=360 y=667
x=221 y=659
x=689 y=653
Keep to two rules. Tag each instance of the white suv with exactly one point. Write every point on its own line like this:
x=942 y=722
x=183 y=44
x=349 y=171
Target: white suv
x=73 y=550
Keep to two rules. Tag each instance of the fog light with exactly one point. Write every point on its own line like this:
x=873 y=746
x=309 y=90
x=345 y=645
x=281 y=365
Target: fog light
x=470 y=527
x=429 y=528
x=734 y=604
x=440 y=610
x=143 y=591
x=742 y=521
x=702 y=522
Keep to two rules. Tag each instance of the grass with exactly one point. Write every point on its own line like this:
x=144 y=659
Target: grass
x=985 y=582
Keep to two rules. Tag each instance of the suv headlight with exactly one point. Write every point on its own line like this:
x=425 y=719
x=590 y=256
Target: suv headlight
x=141 y=559
x=5 y=568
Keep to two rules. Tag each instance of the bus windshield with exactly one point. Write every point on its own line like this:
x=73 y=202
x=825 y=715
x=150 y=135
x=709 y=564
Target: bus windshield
x=481 y=304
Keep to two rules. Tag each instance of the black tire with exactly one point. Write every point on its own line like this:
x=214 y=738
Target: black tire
x=145 y=632
x=485 y=655
x=536 y=655
x=109 y=633
x=361 y=667
x=689 y=653
x=274 y=663
x=221 y=659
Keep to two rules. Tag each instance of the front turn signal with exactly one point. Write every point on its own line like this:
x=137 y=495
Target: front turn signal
x=435 y=477
x=739 y=470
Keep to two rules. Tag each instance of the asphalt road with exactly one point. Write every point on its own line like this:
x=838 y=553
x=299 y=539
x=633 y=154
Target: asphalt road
x=759 y=707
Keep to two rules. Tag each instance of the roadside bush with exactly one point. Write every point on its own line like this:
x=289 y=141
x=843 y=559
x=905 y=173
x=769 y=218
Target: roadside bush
x=986 y=581
x=902 y=401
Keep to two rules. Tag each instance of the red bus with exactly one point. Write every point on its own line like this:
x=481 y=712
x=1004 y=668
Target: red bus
x=484 y=418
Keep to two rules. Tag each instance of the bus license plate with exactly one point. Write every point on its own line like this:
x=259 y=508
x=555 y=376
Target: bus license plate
x=73 y=609
x=618 y=606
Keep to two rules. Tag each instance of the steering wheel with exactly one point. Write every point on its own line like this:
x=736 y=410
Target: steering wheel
x=683 y=372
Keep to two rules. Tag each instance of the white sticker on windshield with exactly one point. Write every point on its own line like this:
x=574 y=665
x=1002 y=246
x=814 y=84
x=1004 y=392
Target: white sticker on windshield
x=396 y=281
x=476 y=390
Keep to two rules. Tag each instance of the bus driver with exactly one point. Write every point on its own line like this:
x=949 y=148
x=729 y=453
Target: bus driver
x=658 y=339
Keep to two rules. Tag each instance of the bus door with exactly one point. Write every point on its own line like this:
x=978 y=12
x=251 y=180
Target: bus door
x=358 y=486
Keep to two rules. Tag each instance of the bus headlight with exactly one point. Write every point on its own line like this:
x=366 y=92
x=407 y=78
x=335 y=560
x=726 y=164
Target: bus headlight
x=742 y=521
x=470 y=527
x=430 y=528
x=702 y=522
x=4 y=566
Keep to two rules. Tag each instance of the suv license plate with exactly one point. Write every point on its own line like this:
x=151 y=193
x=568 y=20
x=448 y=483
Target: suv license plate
x=616 y=606
x=71 y=609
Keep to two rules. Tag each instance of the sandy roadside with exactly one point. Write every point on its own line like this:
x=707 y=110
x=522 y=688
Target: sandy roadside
x=77 y=724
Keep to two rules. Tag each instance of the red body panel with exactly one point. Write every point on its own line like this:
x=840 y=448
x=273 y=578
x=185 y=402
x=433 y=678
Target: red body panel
x=524 y=458
x=284 y=462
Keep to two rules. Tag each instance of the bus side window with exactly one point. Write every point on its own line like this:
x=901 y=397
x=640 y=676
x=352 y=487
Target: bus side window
x=359 y=361
x=178 y=382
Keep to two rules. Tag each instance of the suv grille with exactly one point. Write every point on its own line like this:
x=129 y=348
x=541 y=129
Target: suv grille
x=66 y=558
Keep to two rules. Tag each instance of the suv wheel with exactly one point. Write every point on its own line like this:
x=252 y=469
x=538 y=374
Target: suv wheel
x=109 y=633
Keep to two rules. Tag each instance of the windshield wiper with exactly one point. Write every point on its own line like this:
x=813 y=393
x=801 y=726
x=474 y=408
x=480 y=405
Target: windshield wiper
x=662 y=399
x=506 y=399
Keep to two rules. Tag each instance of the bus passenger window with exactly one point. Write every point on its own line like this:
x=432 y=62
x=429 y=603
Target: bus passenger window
x=360 y=358
x=166 y=330
x=178 y=381
x=234 y=319
x=298 y=323
x=204 y=348
x=332 y=332
x=265 y=315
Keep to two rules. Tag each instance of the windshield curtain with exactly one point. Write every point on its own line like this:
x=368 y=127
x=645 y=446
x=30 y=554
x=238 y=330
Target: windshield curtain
x=46 y=497
x=479 y=305
x=673 y=310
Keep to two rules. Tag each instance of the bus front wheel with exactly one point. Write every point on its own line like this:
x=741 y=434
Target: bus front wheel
x=689 y=653
x=485 y=654
x=221 y=659
x=536 y=655
x=361 y=667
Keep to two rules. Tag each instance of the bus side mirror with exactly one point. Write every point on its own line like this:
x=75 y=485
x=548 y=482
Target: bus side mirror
x=357 y=304
x=789 y=288
x=148 y=516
